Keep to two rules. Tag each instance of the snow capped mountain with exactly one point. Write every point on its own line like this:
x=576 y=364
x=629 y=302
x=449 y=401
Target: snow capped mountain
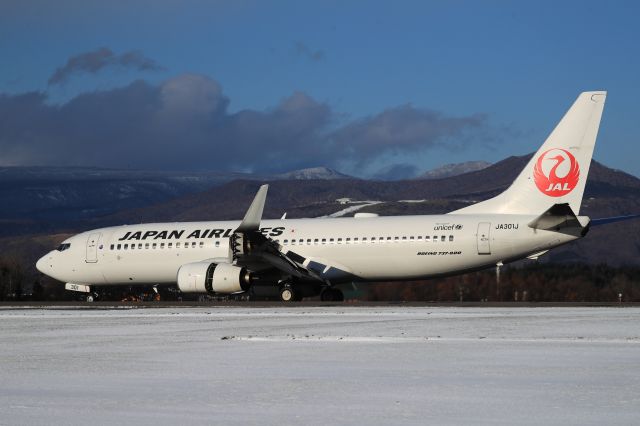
x=454 y=169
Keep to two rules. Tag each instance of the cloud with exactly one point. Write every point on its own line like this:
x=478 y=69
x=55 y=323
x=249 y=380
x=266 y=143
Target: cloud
x=302 y=50
x=403 y=129
x=99 y=59
x=184 y=123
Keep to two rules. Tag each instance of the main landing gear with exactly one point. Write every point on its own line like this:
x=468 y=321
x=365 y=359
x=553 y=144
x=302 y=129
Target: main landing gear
x=330 y=294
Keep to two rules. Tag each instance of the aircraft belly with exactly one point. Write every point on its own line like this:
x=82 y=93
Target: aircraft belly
x=403 y=260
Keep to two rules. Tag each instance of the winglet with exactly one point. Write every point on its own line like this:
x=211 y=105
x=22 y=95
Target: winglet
x=251 y=221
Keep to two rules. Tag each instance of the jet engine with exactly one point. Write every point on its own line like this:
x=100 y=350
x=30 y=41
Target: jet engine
x=206 y=277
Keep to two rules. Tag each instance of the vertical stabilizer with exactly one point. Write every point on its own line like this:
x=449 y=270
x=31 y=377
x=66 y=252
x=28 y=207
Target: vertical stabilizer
x=557 y=173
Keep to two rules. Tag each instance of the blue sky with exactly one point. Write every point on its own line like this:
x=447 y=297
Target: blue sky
x=471 y=80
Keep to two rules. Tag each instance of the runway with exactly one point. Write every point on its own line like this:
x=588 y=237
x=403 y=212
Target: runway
x=319 y=365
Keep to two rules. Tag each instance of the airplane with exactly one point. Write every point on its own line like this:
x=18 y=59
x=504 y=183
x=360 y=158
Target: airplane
x=296 y=258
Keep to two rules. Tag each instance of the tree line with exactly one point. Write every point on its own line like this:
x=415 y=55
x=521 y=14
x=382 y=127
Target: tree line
x=538 y=282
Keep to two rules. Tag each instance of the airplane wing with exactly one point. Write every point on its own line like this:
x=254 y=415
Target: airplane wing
x=250 y=248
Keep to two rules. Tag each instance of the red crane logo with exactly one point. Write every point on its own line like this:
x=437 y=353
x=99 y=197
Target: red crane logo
x=545 y=173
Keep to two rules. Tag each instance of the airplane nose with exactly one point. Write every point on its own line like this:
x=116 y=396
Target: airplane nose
x=41 y=264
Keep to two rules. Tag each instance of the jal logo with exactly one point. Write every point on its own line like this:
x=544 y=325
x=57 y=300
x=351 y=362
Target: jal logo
x=556 y=172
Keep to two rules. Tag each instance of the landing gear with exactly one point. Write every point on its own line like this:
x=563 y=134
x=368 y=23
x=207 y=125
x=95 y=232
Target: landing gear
x=289 y=294
x=331 y=295
x=90 y=298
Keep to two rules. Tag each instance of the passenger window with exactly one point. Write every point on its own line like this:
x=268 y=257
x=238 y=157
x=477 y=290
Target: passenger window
x=420 y=237
x=404 y=238
x=285 y=242
x=139 y=246
x=427 y=239
x=161 y=245
x=201 y=244
x=450 y=237
x=324 y=240
x=133 y=246
x=193 y=244
x=364 y=239
x=315 y=241
x=339 y=240
x=308 y=241
x=435 y=238
x=111 y=247
x=411 y=238
x=169 y=245
x=396 y=238
x=330 y=240
x=119 y=246
x=293 y=242
x=388 y=238
x=443 y=238
x=146 y=245
x=126 y=246
x=217 y=243
x=154 y=245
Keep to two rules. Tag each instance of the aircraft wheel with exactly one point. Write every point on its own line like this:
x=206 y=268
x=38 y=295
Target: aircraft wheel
x=338 y=296
x=90 y=298
x=327 y=295
x=287 y=294
x=331 y=295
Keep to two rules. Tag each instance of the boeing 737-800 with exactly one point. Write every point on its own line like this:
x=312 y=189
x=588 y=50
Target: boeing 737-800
x=306 y=257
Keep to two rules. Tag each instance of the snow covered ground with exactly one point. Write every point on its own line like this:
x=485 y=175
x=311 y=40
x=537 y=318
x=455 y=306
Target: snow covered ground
x=352 y=209
x=320 y=366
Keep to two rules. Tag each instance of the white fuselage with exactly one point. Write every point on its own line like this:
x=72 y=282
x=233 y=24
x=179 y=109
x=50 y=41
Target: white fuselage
x=340 y=249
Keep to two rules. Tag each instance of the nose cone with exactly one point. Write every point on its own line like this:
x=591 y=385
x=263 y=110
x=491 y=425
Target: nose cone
x=41 y=264
x=45 y=264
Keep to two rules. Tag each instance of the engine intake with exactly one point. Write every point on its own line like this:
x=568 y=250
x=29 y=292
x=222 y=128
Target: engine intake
x=212 y=278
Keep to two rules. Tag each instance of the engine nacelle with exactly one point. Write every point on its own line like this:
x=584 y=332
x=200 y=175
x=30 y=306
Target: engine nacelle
x=206 y=277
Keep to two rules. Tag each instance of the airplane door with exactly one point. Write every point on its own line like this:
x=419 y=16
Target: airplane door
x=92 y=247
x=484 y=230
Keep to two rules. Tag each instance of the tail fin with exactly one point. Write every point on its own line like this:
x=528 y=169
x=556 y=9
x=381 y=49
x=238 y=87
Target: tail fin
x=557 y=173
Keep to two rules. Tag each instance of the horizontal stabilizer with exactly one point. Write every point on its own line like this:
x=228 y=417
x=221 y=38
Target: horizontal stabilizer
x=605 y=220
x=557 y=217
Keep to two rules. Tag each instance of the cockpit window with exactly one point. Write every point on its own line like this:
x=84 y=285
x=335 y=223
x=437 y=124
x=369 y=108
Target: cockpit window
x=63 y=247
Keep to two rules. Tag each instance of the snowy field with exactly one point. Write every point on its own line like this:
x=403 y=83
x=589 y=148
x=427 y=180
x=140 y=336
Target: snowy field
x=320 y=366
